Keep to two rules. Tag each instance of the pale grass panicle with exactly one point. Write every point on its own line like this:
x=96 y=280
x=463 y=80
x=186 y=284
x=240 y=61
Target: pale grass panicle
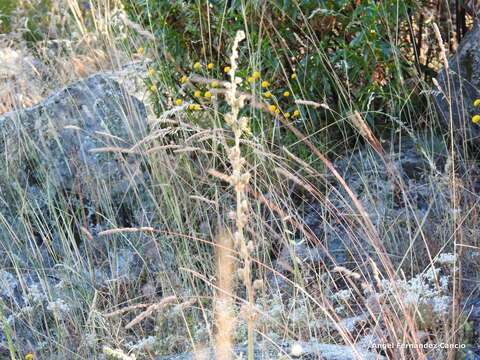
x=239 y=180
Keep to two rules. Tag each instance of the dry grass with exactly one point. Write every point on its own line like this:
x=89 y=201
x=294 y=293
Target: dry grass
x=224 y=319
x=181 y=207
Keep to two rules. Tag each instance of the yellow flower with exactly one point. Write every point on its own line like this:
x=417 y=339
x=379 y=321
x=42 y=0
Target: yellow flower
x=476 y=103
x=197 y=66
x=287 y=115
x=183 y=79
x=178 y=102
x=29 y=356
x=210 y=66
x=151 y=71
x=153 y=88
x=268 y=94
x=272 y=108
x=293 y=76
x=296 y=113
x=207 y=94
x=214 y=84
x=286 y=94
x=256 y=75
x=265 y=84
x=141 y=50
x=194 y=107
x=197 y=93
x=277 y=111
x=251 y=79
x=227 y=69
x=476 y=119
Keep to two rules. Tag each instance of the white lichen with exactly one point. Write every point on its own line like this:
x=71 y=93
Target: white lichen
x=35 y=294
x=343 y=295
x=296 y=350
x=428 y=289
x=8 y=284
x=446 y=259
x=145 y=344
x=59 y=308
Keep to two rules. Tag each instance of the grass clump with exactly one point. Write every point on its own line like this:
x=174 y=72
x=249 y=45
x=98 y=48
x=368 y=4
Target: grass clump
x=287 y=195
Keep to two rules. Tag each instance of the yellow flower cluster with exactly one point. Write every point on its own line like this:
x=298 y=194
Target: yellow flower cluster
x=476 y=118
x=253 y=78
x=273 y=108
x=207 y=95
x=194 y=107
x=198 y=66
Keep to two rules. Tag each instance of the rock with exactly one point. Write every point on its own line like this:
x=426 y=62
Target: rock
x=52 y=148
x=49 y=154
x=63 y=131
x=418 y=166
x=472 y=308
x=131 y=78
x=300 y=350
x=464 y=81
x=54 y=182
x=337 y=352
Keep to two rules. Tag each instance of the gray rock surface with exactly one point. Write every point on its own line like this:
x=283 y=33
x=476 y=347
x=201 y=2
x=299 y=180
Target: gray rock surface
x=54 y=179
x=462 y=86
x=62 y=132
x=51 y=154
x=51 y=151
x=419 y=168
x=301 y=351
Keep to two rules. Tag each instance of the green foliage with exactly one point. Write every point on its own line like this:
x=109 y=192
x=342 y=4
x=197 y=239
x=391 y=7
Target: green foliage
x=349 y=54
x=37 y=20
x=35 y=16
x=6 y=9
x=352 y=38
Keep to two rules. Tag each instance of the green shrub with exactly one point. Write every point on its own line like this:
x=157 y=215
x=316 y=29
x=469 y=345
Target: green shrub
x=35 y=16
x=348 y=54
x=6 y=9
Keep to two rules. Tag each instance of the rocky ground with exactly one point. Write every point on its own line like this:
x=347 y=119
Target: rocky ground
x=76 y=149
